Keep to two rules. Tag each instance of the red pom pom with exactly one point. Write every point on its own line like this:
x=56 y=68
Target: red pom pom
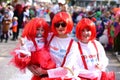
x=21 y=62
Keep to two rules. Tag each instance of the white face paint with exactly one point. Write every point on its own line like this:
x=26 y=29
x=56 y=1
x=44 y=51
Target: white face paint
x=40 y=32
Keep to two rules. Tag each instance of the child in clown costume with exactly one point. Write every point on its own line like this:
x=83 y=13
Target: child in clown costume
x=34 y=49
x=92 y=58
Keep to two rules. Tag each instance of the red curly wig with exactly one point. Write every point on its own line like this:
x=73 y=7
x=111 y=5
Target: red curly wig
x=85 y=23
x=31 y=28
x=65 y=17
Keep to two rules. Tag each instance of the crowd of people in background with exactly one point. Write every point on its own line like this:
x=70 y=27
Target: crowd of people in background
x=104 y=17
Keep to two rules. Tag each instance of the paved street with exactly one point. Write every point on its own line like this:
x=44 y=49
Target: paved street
x=114 y=65
x=9 y=72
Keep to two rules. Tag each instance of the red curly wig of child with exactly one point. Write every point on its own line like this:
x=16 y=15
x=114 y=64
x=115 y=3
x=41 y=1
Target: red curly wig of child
x=85 y=23
x=65 y=17
x=31 y=28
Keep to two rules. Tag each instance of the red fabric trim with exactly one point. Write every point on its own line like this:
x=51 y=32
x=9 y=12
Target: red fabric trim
x=50 y=40
x=82 y=56
x=68 y=50
x=96 y=49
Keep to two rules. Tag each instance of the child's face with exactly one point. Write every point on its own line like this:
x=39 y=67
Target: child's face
x=40 y=32
x=86 y=33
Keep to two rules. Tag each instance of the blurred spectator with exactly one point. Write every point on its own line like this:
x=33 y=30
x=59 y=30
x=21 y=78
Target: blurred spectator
x=18 y=12
x=14 y=28
x=117 y=35
x=1 y=18
x=5 y=27
x=26 y=15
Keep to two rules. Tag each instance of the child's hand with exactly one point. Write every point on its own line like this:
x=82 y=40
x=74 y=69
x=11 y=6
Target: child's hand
x=36 y=70
x=33 y=69
x=98 y=66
